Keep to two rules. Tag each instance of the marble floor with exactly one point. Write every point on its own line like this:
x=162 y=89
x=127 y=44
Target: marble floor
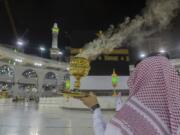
x=33 y=119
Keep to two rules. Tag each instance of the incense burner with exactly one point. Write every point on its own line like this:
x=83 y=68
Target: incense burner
x=79 y=67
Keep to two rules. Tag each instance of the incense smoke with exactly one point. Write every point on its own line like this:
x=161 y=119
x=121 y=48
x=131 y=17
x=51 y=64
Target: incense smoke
x=156 y=16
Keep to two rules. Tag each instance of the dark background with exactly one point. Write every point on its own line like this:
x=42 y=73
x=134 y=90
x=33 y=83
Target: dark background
x=78 y=20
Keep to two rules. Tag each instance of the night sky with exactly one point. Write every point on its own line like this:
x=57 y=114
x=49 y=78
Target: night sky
x=78 y=20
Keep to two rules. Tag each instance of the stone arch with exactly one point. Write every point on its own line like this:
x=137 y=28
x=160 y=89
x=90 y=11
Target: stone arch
x=7 y=70
x=50 y=75
x=30 y=73
x=28 y=83
x=7 y=75
x=50 y=83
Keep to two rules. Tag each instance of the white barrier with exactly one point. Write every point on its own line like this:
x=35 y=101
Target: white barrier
x=106 y=102
x=51 y=101
x=100 y=83
x=5 y=101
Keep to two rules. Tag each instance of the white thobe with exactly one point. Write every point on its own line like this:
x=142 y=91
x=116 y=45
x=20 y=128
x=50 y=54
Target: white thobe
x=99 y=125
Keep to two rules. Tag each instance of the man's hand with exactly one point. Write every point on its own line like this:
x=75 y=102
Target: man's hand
x=90 y=101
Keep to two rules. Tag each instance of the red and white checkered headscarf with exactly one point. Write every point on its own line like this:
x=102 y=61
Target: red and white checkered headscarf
x=153 y=107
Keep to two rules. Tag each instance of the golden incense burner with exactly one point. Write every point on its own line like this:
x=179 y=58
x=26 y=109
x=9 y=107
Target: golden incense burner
x=79 y=67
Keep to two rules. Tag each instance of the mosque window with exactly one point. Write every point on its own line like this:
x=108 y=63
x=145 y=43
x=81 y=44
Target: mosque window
x=6 y=70
x=30 y=74
x=50 y=85
x=50 y=75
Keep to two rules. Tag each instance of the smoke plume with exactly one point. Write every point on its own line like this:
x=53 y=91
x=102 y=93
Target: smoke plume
x=156 y=16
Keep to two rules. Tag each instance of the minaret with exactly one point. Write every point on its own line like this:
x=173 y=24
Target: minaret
x=55 y=52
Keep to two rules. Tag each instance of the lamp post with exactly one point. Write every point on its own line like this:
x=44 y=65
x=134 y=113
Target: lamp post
x=142 y=55
x=114 y=80
x=42 y=49
x=67 y=85
x=20 y=44
x=162 y=50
